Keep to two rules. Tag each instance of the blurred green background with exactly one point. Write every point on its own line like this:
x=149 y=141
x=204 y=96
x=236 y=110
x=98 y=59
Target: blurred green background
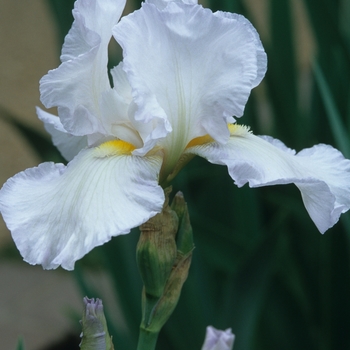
x=260 y=266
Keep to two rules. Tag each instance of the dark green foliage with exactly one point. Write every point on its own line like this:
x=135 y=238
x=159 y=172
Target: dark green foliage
x=62 y=13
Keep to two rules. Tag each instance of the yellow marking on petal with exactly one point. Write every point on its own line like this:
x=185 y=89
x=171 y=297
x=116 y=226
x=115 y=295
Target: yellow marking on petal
x=238 y=130
x=235 y=130
x=115 y=148
x=201 y=140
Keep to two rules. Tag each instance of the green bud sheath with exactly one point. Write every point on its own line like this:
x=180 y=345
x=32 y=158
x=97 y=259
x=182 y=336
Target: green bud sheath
x=156 y=249
x=184 y=238
x=167 y=303
x=164 y=256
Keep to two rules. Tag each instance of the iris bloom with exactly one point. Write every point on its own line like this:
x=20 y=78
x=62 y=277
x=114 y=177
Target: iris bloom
x=185 y=77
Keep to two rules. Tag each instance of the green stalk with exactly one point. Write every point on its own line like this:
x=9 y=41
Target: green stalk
x=147 y=339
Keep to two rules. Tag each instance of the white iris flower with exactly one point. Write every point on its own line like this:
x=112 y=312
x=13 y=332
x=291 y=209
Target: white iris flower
x=186 y=73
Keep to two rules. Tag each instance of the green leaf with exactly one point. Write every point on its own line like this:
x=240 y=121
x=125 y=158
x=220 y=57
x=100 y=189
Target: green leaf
x=20 y=344
x=281 y=75
x=340 y=133
x=62 y=12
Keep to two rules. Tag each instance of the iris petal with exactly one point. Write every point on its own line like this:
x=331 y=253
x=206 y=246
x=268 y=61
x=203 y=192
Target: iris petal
x=77 y=84
x=69 y=145
x=321 y=173
x=57 y=214
x=197 y=70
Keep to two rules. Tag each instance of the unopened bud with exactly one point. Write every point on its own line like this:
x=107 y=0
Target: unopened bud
x=156 y=311
x=167 y=303
x=184 y=238
x=95 y=333
x=218 y=340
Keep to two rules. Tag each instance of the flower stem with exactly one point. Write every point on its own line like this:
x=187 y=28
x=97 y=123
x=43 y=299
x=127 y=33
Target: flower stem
x=147 y=339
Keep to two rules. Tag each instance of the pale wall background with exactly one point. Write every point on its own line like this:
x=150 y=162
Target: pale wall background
x=33 y=303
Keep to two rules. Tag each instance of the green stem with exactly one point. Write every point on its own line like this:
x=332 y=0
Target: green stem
x=147 y=339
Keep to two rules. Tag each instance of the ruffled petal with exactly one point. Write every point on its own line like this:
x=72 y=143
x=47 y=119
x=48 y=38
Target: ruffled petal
x=321 y=173
x=58 y=213
x=76 y=86
x=68 y=144
x=261 y=58
x=197 y=70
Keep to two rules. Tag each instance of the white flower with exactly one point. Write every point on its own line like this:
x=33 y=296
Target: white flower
x=186 y=74
x=218 y=340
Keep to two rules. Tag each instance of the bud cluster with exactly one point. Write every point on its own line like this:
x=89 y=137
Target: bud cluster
x=164 y=253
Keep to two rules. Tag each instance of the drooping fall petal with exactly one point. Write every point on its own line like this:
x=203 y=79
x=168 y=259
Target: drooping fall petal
x=321 y=173
x=59 y=213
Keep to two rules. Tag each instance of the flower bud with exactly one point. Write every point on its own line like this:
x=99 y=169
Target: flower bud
x=156 y=249
x=184 y=238
x=167 y=303
x=95 y=333
x=167 y=264
x=218 y=340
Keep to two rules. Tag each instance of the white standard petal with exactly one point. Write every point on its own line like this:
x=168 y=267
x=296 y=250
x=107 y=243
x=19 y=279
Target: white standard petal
x=69 y=145
x=57 y=214
x=321 y=173
x=216 y=339
x=75 y=87
x=197 y=70
x=115 y=107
